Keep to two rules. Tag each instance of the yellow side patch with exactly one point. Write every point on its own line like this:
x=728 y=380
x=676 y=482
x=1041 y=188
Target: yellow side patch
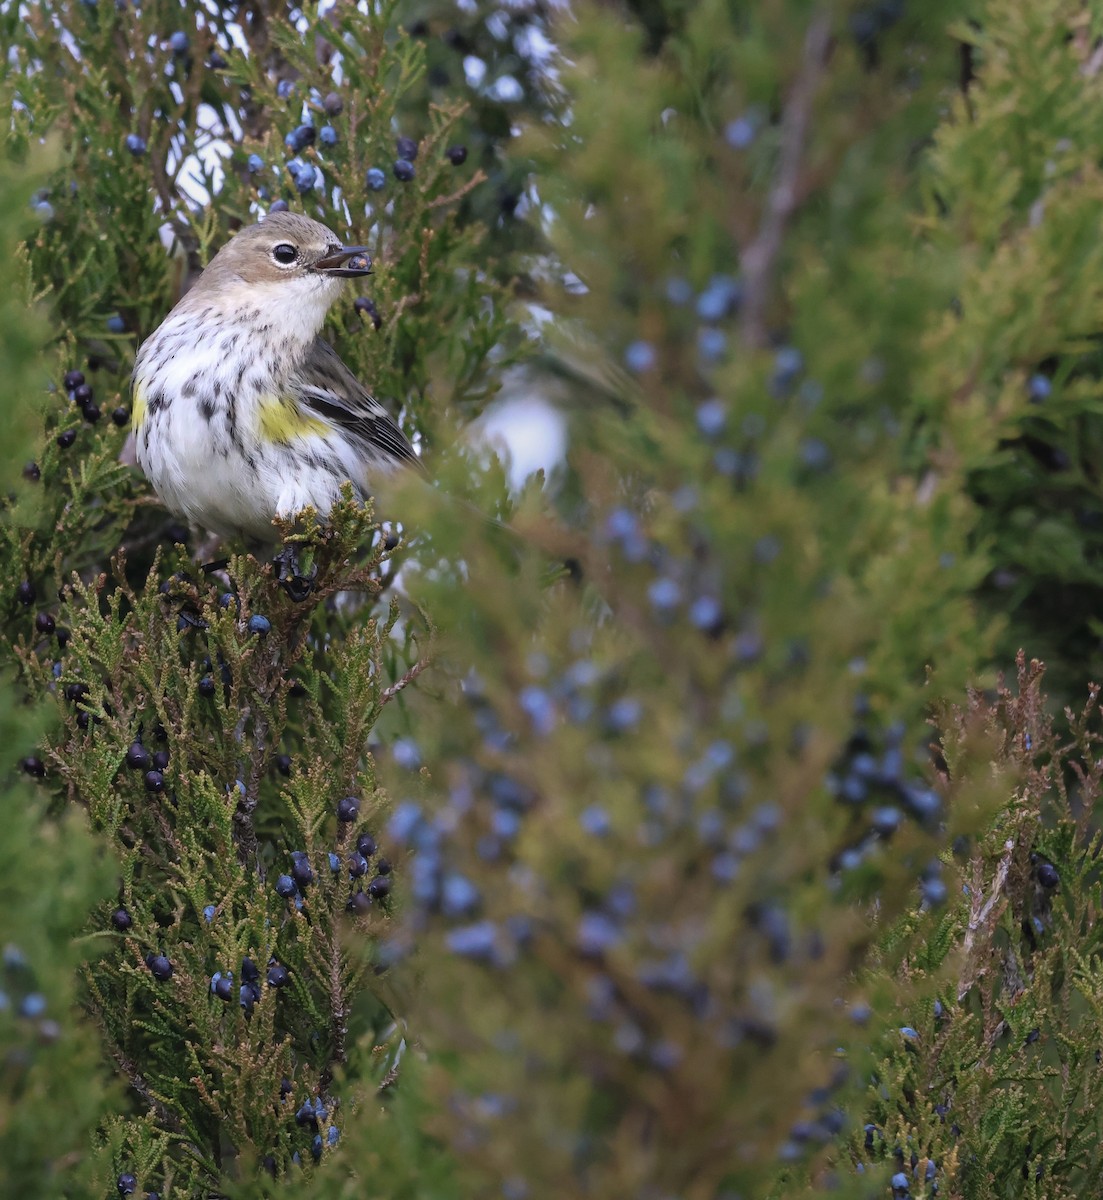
x=278 y=420
x=138 y=415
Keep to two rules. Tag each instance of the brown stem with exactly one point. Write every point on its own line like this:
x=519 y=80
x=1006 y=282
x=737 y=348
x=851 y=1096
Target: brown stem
x=759 y=259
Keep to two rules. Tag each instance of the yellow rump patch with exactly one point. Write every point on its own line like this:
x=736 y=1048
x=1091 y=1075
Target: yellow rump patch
x=278 y=420
x=138 y=415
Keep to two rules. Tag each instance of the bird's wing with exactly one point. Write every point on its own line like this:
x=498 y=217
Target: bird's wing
x=326 y=387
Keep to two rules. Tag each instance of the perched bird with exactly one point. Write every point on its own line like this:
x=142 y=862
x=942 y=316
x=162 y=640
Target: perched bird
x=242 y=413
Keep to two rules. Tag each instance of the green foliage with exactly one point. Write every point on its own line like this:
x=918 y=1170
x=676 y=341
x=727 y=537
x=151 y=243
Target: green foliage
x=604 y=851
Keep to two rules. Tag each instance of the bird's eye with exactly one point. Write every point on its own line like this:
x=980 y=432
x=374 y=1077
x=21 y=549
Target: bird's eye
x=285 y=253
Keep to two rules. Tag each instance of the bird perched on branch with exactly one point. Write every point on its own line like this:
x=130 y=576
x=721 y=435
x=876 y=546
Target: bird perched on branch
x=242 y=413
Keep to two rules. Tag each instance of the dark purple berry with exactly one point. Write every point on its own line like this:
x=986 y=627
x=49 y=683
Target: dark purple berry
x=223 y=988
x=403 y=170
x=456 y=155
x=333 y=104
x=359 y=903
x=1048 y=876
x=306 y=1115
x=34 y=766
x=348 y=809
x=365 y=845
x=278 y=206
x=406 y=148
x=82 y=395
x=73 y=380
x=137 y=757
x=159 y=966
x=83 y=719
x=126 y=1183
x=302 y=872
x=358 y=865
x=249 y=970
x=154 y=781
x=44 y=623
x=383 y=867
x=278 y=975
x=206 y=686
x=91 y=413
x=66 y=438
x=283 y=764
x=31 y=472
x=75 y=691
x=161 y=760
x=121 y=919
x=121 y=416
x=25 y=593
x=216 y=62
x=379 y=887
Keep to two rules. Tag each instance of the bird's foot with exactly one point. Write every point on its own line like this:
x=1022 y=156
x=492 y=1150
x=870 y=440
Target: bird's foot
x=297 y=585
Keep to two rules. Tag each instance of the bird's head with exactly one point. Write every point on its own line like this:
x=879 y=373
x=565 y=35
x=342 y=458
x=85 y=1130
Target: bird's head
x=287 y=263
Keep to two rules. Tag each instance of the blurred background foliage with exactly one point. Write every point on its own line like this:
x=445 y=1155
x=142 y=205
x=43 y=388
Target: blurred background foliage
x=685 y=843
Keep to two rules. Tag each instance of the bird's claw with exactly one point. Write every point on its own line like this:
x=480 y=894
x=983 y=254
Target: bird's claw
x=297 y=585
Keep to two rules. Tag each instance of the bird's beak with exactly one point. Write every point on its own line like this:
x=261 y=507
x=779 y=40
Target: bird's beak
x=345 y=261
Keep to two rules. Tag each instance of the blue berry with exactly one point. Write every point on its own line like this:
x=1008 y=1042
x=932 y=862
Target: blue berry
x=301 y=137
x=332 y=1134
x=116 y=324
x=121 y=919
x=595 y=821
x=406 y=148
x=301 y=871
x=126 y=1183
x=209 y=913
x=721 y=297
x=596 y=933
x=664 y=594
x=640 y=357
x=334 y=862
x=403 y=170
x=179 y=43
x=909 y=1033
x=136 y=145
x=712 y=344
x=625 y=714
x=286 y=887
x=712 y=416
x=246 y=997
x=379 y=887
x=284 y=88
x=456 y=155
x=706 y=613
x=406 y=754
x=327 y=135
x=375 y=179
x=33 y=1005
x=159 y=966
x=254 y=163
x=1039 y=389
x=1048 y=876
x=458 y=896
x=306 y=179
x=357 y=864
x=741 y=132
x=478 y=941
x=260 y=626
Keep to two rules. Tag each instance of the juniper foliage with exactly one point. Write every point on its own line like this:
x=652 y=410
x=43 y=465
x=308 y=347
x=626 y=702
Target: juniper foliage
x=642 y=876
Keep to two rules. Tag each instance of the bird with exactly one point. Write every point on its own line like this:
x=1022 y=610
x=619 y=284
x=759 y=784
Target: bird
x=241 y=411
